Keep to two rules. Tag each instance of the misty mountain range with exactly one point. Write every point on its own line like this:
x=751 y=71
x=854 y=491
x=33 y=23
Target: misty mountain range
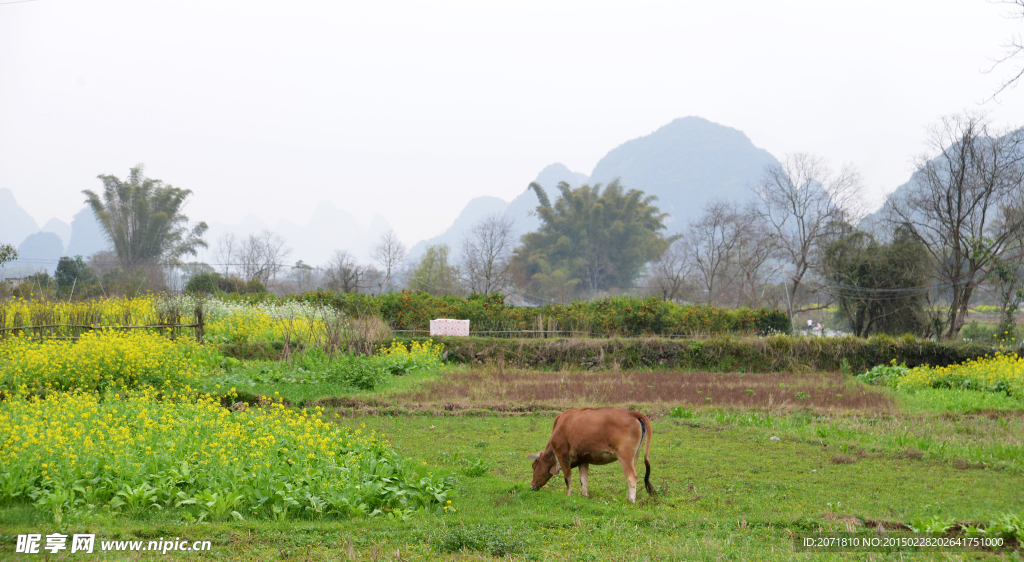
x=684 y=164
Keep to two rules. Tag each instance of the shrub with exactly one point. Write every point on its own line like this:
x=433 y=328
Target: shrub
x=203 y=284
x=973 y=331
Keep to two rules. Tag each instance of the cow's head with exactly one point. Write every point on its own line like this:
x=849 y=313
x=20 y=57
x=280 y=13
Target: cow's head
x=545 y=465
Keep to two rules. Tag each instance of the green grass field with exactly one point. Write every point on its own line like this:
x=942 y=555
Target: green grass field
x=726 y=489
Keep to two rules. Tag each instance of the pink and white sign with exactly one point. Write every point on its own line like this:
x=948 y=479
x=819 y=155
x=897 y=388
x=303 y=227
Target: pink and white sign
x=448 y=327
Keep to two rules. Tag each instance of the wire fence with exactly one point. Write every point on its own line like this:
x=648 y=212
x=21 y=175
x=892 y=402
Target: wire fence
x=565 y=333
x=75 y=331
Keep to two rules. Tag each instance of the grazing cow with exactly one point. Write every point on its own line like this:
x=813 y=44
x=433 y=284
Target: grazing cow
x=594 y=436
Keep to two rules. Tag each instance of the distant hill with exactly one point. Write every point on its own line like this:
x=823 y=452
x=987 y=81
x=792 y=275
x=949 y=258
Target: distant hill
x=476 y=209
x=60 y=228
x=875 y=222
x=556 y=173
x=685 y=164
x=87 y=236
x=521 y=210
x=36 y=245
x=15 y=223
x=329 y=228
x=41 y=251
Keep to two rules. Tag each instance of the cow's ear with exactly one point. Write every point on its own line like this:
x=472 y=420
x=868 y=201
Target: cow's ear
x=533 y=457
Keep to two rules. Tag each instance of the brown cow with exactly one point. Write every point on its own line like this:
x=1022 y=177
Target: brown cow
x=594 y=436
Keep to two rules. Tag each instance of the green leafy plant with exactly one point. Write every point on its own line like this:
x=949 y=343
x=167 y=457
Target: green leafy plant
x=474 y=467
x=885 y=375
x=682 y=413
x=934 y=526
x=1008 y=526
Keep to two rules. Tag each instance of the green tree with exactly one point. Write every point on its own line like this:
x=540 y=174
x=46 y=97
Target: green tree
x=303 y=275
x=142 y=217
x=7 y=253
x=206 y=283
x=434 y=273
x=880 y=288
x=591 y=238
x=73 y=275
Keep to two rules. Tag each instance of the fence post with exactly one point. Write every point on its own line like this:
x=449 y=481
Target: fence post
x=200 y=328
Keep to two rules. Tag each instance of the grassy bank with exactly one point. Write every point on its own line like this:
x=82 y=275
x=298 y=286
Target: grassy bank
x=748 y=354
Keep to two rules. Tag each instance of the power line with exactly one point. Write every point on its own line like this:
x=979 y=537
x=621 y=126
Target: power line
x=166 y=264
x=16 y=2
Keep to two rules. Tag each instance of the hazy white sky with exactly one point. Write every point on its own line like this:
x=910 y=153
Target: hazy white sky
x=410 y=109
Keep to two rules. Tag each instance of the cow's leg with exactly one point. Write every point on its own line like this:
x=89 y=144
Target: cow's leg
x=584 y=471
x=629 y=469
x=567 y=473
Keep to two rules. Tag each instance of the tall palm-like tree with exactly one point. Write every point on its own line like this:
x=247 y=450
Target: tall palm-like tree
x=142 y=218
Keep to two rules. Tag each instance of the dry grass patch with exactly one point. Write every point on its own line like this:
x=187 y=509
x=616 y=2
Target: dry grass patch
x=502 y=388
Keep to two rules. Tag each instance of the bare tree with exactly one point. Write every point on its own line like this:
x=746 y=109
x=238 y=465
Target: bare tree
x=756 y=248
x=224 y=252
x=260 y=256
x=714 y=244
x=797 y=200
x=389 y=253
x=371 y=279
x=1013 y=50
x=487 y=254
x=963 y=205
x=263 y=256
x=670 y=272
x=103 y=262
x=344 y=273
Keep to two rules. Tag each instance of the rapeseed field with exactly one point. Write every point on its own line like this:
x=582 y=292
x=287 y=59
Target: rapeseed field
x=997 y=373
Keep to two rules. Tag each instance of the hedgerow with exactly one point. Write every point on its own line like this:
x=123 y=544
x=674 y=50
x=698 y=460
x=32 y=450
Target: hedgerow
x=612 y=316
x=727 y=353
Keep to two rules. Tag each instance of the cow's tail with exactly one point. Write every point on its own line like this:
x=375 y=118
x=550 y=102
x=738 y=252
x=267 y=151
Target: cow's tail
x=645 y=428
